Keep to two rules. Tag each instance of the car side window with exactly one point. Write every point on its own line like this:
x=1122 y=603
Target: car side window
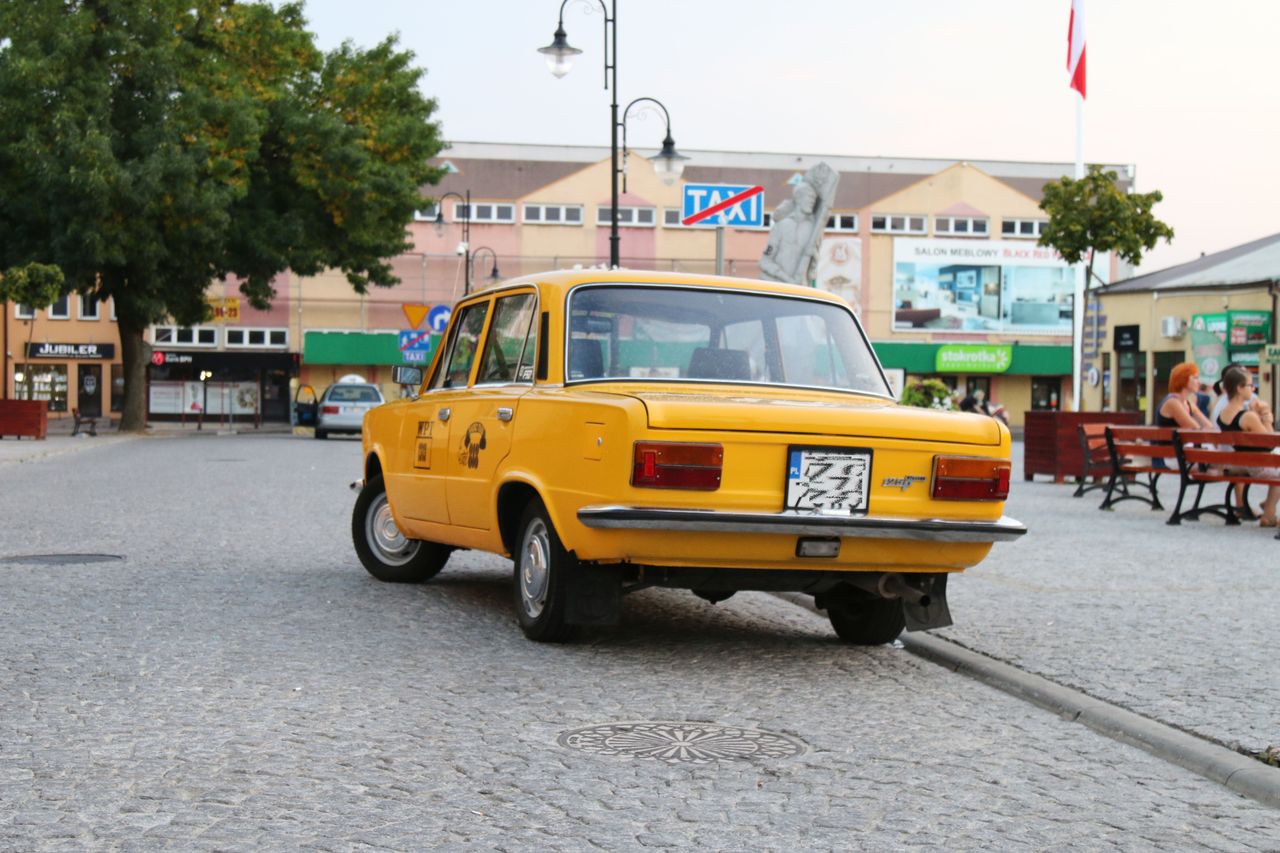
x=509 y=349
x=462 y=347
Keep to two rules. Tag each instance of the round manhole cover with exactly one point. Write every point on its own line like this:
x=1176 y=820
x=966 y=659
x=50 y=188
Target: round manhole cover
x=682 y=742
x=61 y=559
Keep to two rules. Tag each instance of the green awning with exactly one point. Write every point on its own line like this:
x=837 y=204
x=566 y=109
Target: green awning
x=356 y=348
x=1028 y=359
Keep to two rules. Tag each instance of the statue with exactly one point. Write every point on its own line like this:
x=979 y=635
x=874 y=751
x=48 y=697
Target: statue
x=798 y=223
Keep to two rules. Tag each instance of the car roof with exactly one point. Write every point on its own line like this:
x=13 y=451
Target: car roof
x=561 y=281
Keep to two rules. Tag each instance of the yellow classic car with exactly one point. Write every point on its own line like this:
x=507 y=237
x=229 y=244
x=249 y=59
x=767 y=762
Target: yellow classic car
x=612 y=431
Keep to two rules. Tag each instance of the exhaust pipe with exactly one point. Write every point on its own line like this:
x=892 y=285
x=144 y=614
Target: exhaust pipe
x=893 y=586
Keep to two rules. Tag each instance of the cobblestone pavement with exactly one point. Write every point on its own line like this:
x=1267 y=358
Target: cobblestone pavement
x=237 y=682
x=1176 y=623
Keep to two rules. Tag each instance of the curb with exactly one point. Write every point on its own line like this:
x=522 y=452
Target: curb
x=1246 y=776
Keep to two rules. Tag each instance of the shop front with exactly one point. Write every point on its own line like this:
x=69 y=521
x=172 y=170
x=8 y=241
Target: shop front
x=1020 y=377
x=71 y=376
x=328 y=356
x=220 y=385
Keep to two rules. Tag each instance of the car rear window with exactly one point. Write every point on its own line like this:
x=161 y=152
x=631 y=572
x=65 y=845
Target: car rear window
x=354 y=394
x=665 y=333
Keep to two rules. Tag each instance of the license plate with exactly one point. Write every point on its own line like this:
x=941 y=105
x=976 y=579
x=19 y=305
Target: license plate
x=828 y=480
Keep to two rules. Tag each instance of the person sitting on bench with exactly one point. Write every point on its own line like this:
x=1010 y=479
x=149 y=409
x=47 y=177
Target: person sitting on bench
x=1236 y=416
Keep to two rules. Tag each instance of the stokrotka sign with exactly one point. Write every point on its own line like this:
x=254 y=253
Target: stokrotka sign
x=974 y=358
x=82 y=352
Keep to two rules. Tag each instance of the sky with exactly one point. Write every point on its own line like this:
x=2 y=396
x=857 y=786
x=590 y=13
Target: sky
x=1182 y=89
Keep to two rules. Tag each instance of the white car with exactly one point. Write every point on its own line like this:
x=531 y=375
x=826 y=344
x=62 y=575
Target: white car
x=343 y=406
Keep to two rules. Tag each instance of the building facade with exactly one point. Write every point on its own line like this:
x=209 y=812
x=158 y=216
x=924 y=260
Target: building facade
x=1214 y=310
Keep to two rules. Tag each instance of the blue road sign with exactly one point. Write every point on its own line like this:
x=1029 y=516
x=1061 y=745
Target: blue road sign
x=746 y=213
x=438 y=318
x=416 y=341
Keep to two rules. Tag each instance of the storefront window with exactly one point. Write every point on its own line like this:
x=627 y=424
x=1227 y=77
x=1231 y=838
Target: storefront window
x=978 y=383
x=1046 y=392
x=42 y=382
x=1131 y=386
x=117 y=387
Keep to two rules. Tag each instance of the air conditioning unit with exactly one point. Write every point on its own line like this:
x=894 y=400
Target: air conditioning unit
x=1173 y=327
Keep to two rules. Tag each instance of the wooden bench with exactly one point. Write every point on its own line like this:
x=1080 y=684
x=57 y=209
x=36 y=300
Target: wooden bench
x=1095 y=458
x=1134 y=451
x=90 y=424
x=1205 y=457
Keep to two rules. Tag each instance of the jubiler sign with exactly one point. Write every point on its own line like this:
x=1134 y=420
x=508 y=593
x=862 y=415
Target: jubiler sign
x=87 y=352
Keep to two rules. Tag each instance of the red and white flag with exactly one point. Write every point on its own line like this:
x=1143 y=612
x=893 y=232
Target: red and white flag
x=1075 y=46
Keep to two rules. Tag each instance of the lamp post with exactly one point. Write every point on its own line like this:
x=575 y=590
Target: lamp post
x=465 y=245
x=560 y=56
x=667 y=163
x=494 y=275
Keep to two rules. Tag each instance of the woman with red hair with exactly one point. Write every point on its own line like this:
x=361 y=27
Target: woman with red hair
x=1178 y=409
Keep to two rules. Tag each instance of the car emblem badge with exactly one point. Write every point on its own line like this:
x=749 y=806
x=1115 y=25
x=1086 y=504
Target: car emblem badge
x=901 y=483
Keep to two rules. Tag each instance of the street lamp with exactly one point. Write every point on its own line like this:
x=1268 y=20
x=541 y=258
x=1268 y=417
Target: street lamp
x=464 y=248
x=560 y=55
x=667 y=163
x=494 y=275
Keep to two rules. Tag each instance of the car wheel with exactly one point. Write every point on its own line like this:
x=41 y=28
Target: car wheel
x=544 y=572
x=386 y=552
x=867 y=621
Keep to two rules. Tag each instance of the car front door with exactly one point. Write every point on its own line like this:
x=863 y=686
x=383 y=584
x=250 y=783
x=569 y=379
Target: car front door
x=428 y=431
x=485 y=420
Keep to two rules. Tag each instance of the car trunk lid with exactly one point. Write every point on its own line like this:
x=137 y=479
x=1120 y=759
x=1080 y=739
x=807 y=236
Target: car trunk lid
x=813 y=413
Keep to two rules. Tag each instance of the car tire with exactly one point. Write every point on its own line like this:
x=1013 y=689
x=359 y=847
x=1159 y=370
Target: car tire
x=867 y=621
x=544 y=574
x=384 y=551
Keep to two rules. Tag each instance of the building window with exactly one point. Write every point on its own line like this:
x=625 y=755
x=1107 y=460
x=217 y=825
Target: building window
x=1045 y=391
x=842 y=222
x=553 y=214
x=257 y=337
x=961 y=226
x=1027 y=228
x=671 y=217
x=631 y=217
x=60 y=310
x=23 y=312
x=501 y=214
x=113 y=310
x=46 y=382
x=426 y=214
x=88 y=308
x=182 y=336
x=897 y=223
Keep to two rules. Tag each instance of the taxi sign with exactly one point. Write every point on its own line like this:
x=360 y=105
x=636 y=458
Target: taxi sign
x=732 y=205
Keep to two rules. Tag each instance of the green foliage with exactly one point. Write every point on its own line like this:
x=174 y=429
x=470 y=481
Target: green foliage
x=1093 y=215
x=35 y=285
x=150 y=147
x=927 y=394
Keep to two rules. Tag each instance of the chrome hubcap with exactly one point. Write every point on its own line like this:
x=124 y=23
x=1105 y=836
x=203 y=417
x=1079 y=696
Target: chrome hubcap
x=391 y=546
x=535 y=568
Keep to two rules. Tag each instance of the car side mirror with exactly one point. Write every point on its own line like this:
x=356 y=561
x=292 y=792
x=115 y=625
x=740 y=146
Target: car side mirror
x=404 y=375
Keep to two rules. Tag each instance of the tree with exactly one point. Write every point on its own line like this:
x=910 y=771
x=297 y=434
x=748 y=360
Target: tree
x=1093 y=215
x=36 y=286
x=178 y=142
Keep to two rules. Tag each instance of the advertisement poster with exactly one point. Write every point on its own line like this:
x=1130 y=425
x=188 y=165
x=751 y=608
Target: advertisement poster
x=840 y=270
x=175 y=398
x=982 y=286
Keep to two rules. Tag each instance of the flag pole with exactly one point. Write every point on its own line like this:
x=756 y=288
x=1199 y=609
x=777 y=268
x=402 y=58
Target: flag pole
x=1081 y=286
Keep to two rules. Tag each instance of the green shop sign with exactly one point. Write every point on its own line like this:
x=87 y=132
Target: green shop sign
x=973 y=358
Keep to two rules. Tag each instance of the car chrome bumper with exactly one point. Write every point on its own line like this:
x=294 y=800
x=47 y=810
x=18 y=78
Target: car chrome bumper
x=795 y=524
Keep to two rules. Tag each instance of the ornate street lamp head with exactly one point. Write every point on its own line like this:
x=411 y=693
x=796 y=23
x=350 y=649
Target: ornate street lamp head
x=668 y=163
x=559 y=53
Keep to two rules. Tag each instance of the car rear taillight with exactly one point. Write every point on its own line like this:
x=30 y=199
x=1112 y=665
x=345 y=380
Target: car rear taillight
x=965 y=478
x=672 y=465
x=329 y=410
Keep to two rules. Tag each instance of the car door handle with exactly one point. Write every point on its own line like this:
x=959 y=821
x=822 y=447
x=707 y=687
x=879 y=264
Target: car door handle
x=445 y=413
x=505 y=413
